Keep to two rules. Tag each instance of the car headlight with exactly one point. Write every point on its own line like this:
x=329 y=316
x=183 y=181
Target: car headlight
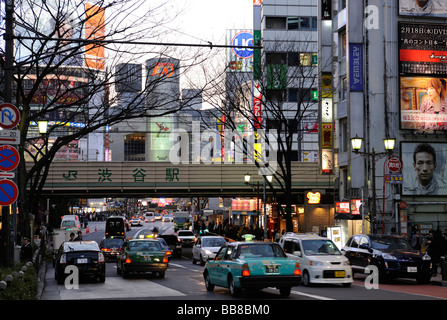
x=316 y=263
x=387 y=256
x=426 y=257
x=345 y=263
x=207 y=252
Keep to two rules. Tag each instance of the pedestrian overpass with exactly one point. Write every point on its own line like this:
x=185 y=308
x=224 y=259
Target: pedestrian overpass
x=155 y=179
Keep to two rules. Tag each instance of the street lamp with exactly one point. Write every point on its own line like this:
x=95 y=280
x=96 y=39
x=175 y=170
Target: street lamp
x=43 y=126
x=269 y=178
x=356 y=144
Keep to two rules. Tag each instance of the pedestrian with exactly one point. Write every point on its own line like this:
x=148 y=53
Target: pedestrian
x=26 y=251
x=416 y=240
x=72 y=236
x=79 y=237
x=434 y=248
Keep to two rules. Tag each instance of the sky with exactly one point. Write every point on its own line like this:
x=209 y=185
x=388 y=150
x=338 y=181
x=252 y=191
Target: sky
x=208 y=20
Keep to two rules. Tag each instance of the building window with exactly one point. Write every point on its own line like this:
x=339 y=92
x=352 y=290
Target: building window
x=135 y=147
x=292 y=23
x=343 y=44
x=276 y=57
x=344 y=139
x=275 y=23
x=293 y=59
x=344 y=89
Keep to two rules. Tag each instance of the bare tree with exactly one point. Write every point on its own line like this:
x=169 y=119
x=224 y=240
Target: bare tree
x=66 y=56
x=284 y=101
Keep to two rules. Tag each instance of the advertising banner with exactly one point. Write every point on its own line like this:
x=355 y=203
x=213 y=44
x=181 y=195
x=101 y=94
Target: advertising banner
x=424 y=168
x=423 y=106
x=431 y=8
x=423 y=48
x=356 y=66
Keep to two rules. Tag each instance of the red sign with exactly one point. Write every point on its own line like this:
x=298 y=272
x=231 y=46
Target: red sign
x=166 y=69
x=395 y=164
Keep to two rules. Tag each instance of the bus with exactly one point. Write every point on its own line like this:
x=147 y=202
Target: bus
x=182 y=220
x=116 y=227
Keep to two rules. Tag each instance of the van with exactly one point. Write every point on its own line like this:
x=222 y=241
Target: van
x=320 y=259
x=70 y=221
x=116 y=226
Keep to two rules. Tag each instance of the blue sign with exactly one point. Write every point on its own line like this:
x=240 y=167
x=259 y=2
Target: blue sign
x=240 y=40
x=356 y=66
x=8 y=192
x=9 y=158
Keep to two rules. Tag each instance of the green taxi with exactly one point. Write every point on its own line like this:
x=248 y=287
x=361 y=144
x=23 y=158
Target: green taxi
x=141 y=256
x=252 y=264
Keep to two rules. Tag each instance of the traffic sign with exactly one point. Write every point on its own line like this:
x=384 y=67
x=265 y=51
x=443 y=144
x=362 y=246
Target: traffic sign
x=9 y=116
x=8 y=192
x=10 y=136
x=9 y=158
x=395 y=164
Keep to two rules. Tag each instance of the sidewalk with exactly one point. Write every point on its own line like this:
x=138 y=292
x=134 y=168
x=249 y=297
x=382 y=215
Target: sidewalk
x=437 y=281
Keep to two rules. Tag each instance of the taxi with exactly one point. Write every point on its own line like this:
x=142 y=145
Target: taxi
x=251 y=264
x=141 y=256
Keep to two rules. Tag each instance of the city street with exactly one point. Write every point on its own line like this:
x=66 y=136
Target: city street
x=184 y=281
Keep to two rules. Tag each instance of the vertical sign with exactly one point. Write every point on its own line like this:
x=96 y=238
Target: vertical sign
x=356 y=66
x=94 y=30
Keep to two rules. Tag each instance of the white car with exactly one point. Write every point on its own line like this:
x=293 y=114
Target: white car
x=206 y=248
x=186 y=237
x=136 y=222
x=319 y=258
x=168 y=218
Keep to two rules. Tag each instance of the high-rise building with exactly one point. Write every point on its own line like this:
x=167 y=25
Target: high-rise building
x=389 y=81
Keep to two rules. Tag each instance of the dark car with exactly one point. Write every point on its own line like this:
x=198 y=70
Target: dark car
x=85 y=255
x=392 y=255
x=173 y=243
x=110 y=247
x=141 y=256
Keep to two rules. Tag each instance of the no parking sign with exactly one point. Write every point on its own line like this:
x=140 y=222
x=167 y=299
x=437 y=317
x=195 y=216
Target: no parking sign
x=9 y=158
x=8 y=192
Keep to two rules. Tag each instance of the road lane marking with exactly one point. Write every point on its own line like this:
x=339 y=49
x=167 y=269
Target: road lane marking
x=311 y=295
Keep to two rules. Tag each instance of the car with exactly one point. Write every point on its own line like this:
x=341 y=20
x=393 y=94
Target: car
x=168 y=218
x=110 y=247
x=85 y=255
x=252 y=264
x=70 y=221
x=392 y=255
x=136 y=222
x=206 y=248
x=142 y=256
x=186 y=237
x=165 y=247
x=158 y=216
x=174 y=244
x=319 y=258
x=150 y=216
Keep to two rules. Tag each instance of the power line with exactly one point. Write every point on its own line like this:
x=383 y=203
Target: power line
x=96 y=41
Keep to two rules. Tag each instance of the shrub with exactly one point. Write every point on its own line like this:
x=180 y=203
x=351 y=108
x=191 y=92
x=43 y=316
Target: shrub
x=24 y=288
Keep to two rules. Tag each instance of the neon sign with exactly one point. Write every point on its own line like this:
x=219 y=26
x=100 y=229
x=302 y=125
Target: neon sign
x=313 y=198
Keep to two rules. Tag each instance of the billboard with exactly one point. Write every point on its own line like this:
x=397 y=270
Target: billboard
x=424 y=168
x=431 y=8
x=94 y=29
x=423 y=105
x=239 y=57
x=423 y=48
x=356 y=66
x=423 y=76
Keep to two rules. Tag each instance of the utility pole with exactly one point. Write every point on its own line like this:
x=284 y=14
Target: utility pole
x=9 y=57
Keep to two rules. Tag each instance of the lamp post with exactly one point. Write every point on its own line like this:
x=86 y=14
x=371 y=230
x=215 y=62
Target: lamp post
x=356 y=144
x=247 y=178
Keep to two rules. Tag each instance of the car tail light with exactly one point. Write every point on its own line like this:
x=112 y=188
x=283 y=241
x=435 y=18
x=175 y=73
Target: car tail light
x=63 y=259
x=245 y=270
x=105 y=249
x=297 y=271
x=165 y=259
x=100 y=257
x=128 y=259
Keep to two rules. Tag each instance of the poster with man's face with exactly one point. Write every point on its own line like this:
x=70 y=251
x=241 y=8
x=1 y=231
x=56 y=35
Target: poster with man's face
x=424 y=168
x=431 y=8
